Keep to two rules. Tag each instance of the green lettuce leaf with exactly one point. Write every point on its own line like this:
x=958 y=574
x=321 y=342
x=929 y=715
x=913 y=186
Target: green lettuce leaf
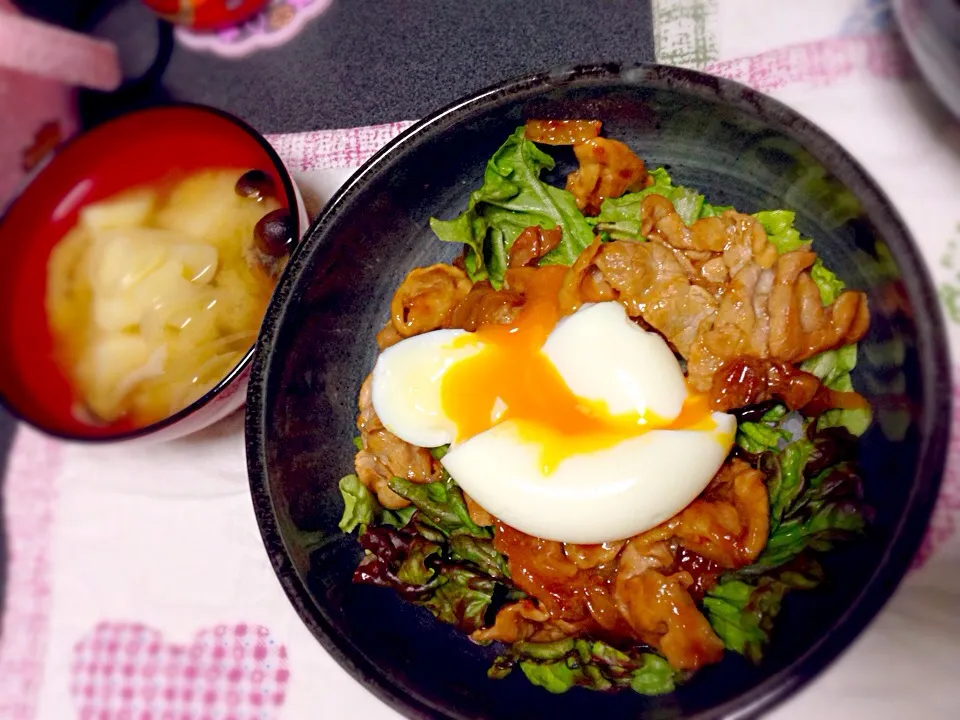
x=563 y=664
x=418 y=565
x=441 y=506
x=786 y=238
x=425 y=573
x=829 y=285
x=360 y=508
x=815 y=501
x=480 y=553
x=780 y=230
x=359 y=505
x=833 y=367
x=815 y=497
x=766 y=434
x=397 y=518
x=461 y=598
x=742 y=612
x=785 y=479
x=552 y=677
x=512 y=198
x=855 y=421
x=439 y=452
x=619 y=218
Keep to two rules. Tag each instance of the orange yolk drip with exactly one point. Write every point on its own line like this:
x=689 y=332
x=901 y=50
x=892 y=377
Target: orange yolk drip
x=511 y=375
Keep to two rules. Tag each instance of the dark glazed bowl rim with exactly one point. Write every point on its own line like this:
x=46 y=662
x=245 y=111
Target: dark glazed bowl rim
x=931 y=348
x=49 y=166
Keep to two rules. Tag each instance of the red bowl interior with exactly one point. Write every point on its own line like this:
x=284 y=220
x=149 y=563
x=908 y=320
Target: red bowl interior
x=137 y=149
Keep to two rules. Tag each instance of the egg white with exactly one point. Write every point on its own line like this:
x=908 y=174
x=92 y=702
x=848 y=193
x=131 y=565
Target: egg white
x=406 y=386
x=603 y=356
x=595 y=497
x=591 y=497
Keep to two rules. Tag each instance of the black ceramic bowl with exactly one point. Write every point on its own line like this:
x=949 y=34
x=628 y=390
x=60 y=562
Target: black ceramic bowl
x=317 y=344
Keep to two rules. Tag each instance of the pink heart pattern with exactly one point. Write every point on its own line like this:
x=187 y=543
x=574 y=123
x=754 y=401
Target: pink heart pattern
x=125 y=671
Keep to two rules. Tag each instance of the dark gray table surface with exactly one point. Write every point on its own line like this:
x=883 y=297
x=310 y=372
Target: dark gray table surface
x=371 y=61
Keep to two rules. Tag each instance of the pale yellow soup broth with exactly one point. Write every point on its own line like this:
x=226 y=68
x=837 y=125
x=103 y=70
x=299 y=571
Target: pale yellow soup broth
x=156 y=294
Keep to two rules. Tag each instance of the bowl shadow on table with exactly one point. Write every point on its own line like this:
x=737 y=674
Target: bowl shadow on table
x=325 y=346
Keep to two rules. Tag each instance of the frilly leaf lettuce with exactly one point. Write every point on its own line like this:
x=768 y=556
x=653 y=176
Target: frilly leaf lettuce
x=424 y=572
x=786 y=238
x=462 y=598
x=441 y=506
x=785 y=479
x=563 y=664
x=833 y=367
x=780 y=230
x=359 y=505
x=709 y=210
x=815 y=497
x=742 y=612
x=480 y=553
x=815 y=500
x=397 y=518
x=756 y=437
x=360 y=508
x=512 y=198
x=829 y=285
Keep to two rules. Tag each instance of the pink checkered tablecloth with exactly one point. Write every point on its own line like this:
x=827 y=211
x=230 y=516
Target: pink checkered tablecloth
x=138 y=586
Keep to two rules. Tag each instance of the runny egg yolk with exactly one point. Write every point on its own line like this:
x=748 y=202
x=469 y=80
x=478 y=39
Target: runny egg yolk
x=510 y=378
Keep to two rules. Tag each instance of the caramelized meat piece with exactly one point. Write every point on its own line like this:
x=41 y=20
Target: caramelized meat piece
x=608 y=168
x=540 y=569
x=561 y=132
x=663 y=615
x=695 y=572
x=800 y=326
x=740 y=327
x=426 y=299
x=591 y=556
x=376 y=477
x=584 y=283
x=657 y=607
x=660 y=221
x=713 y=249
x=385 y=456
x=717 y=291
x=388 y=336
x=730 y=521
x=484 y=305
x=644 y=588
x=520 y=621
x=651 y=283
x=750 y=381
x=532 y=244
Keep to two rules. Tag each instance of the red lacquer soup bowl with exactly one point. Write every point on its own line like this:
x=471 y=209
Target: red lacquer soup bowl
x=142 y=148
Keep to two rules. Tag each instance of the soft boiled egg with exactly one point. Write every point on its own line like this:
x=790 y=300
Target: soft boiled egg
x=579 y=430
